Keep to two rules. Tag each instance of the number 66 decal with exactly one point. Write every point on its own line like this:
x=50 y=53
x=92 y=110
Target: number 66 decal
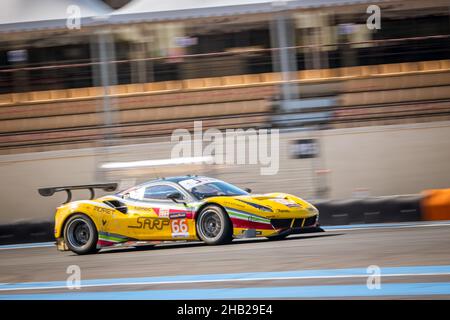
x=179 y=227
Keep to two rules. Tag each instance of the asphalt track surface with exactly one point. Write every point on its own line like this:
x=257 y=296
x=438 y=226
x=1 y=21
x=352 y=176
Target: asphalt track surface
x=414 y=261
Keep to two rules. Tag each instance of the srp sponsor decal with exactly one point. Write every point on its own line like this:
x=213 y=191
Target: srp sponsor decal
x=150 y=223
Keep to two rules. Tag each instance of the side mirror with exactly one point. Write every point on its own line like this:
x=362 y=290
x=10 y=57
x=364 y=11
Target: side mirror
x=175 y=196
x=248 y=190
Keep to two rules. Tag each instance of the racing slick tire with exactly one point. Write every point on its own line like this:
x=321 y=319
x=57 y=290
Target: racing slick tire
x=80 y=234
x=214 y=226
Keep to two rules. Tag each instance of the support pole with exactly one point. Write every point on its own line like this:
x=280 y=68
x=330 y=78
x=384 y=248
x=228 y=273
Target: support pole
x=284 y=58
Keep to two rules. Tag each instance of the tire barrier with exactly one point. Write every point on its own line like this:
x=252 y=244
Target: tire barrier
x=26 y=232
x=370 y=210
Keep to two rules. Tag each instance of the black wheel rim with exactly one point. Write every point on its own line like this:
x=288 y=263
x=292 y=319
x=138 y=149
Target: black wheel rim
x=210 y=224
x=78 y=233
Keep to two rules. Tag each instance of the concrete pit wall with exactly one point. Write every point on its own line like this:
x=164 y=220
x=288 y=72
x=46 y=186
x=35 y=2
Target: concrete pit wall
x=353 y=162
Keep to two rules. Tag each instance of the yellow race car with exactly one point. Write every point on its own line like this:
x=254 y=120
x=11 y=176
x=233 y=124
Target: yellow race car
x=177 y=208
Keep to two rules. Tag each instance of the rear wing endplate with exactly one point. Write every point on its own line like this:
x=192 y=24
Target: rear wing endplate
x=47 y=192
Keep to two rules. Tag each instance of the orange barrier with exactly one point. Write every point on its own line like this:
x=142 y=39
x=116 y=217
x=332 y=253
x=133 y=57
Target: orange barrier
x=436 y=205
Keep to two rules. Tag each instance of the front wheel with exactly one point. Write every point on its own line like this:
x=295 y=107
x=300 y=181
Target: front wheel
x=214 y=225
x=81 y=234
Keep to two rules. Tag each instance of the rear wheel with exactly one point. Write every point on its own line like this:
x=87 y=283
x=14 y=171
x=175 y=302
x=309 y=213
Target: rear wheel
x=81 y=234
x=214 y=225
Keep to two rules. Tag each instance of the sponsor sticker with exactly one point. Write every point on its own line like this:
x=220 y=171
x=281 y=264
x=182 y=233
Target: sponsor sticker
x=163 y=212
x=177 y=215
x=191 y=183
x=287 y=202
x=103 y=210
x=150 y=223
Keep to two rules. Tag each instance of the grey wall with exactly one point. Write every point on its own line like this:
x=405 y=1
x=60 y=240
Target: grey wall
x=377 y=161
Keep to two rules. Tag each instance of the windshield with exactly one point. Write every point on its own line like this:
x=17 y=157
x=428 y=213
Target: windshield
x=204 y=189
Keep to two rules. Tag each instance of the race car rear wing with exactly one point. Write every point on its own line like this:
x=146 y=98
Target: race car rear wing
x=47 y=192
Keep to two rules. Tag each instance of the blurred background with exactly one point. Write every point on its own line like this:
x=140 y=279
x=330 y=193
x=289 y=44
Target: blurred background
x=362 y=112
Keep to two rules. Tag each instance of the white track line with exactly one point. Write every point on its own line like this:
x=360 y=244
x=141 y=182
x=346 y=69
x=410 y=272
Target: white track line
x=112 y=284
x=387 y=226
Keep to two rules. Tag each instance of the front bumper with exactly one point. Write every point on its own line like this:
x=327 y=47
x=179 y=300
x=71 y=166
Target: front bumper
x=294 y=223
x=312 y=229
